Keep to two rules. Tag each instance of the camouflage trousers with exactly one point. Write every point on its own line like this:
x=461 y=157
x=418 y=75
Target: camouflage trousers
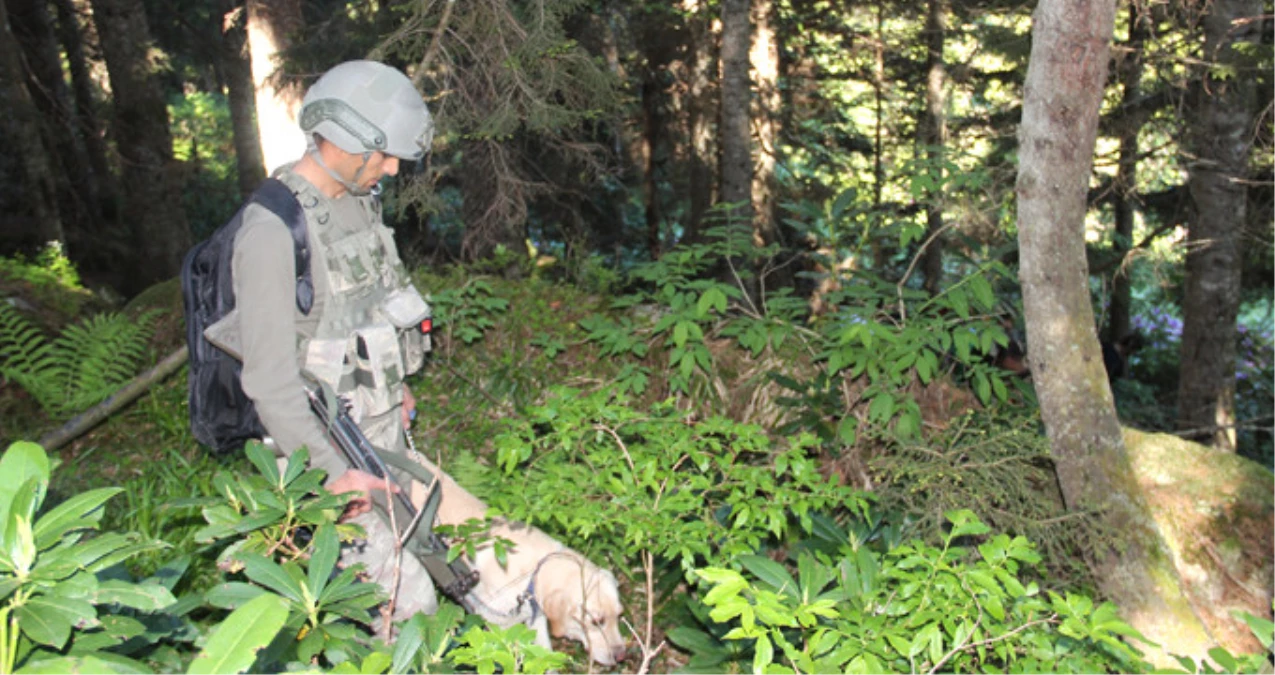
x=415 y=587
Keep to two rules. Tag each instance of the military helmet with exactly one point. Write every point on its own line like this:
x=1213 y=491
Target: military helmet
x=365 y=106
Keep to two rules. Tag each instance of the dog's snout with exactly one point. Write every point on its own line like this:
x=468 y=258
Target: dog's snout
x=620 y=653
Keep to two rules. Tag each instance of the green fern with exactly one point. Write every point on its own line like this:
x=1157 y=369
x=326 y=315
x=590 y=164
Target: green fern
x=80 y=367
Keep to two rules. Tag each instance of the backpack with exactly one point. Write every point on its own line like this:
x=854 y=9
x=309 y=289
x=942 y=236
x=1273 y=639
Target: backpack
x=222 y=416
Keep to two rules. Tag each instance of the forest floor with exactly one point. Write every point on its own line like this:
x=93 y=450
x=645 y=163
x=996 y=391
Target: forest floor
x=509 y=342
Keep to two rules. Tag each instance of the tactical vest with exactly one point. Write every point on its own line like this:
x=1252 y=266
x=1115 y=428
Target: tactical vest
x=366 y=332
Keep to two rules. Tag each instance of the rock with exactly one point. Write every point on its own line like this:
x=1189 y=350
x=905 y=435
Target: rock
x=1216 y=512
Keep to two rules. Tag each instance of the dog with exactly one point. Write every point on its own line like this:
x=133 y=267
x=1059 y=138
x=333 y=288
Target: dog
x=551 y=588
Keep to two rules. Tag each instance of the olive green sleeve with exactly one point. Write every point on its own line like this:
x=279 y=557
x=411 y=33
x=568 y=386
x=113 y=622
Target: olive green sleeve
x=265 y=297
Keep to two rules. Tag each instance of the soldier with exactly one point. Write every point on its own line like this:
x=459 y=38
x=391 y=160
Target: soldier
x=361 y=336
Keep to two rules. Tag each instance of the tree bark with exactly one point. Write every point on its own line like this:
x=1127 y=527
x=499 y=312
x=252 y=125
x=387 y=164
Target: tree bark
x=1129 y=70
x=652 y=128
x=1063 y=92
x=1219 y=138
x=735 y=141
x=700 y=105
x=22 y=120
x=152 y=208
x=71 y=30
x=934 y=138
x=240 y=94
x=76 y=196
x=764 y=58
x=271 y=25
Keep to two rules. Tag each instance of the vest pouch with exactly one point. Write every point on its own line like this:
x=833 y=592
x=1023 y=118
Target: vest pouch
x=324 y=361
x=412 y=316
x=351 y=266
x=378 y=370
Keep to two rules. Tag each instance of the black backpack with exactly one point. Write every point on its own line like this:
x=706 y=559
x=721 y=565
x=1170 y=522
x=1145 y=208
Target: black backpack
x=222 y=417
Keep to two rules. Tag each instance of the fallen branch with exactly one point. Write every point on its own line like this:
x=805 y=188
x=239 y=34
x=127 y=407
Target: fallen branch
x=127 y=394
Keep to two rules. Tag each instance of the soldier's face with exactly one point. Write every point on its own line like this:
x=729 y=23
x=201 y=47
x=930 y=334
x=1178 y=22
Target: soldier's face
x=378 y=166
x=352 y=168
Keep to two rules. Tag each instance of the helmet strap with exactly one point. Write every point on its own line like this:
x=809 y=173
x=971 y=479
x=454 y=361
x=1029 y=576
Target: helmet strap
x=350 y=186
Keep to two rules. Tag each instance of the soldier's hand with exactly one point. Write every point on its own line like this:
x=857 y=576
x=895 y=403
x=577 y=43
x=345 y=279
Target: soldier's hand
x=362 y=483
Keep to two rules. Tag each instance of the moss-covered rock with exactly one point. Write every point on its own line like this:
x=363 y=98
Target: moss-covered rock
x=1216 y=512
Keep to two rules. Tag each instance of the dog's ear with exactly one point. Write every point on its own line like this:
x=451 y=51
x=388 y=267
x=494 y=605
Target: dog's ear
x=557 y=605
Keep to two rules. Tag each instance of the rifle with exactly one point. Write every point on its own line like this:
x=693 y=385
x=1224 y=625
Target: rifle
x=454 y=578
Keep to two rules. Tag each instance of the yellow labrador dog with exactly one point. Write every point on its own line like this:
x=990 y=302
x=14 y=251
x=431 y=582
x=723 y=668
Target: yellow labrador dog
x=551 y=588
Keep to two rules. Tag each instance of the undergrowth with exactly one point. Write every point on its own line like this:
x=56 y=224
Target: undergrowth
x=689 y=441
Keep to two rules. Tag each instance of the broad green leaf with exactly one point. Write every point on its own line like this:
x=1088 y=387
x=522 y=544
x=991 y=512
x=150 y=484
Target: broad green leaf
x=66 y=665
x=410 y=638
x=846 y=430
x=712 y=298
x=233 y=647
x=121 y=627
x=21 y=462
x=8 y=585
x=74 y=513
x=982 y=387
x=680 y=333
x=269 y=574
x=1263 y=629
x=259 y=519
x=48 y=621
x=965 y=523
x=327 y=548
x=377 y=663
x=296 y=465
x=19 y=542
x=233 y=594
x=98 y=547
x=763 y=654
x=982 y=291
x=144 y=597
x=700 y=644
x=1224 y=658
x=264 y=460
x=770 y=572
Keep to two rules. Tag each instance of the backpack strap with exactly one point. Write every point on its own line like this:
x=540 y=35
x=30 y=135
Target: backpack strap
x=279 y=199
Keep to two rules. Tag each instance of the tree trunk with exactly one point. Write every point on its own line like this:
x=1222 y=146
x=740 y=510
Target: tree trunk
x=700 y=41
x=22 y=122
x=736 y=160
x=152 y=206
x=1130 y=73
x=76 y=191
x=240 y=93
x=271 y=25
x=879 y=250
x=658 y=47
x=1219 y=137
x=934 y=137
x=71 y=30
x=1062 y=95
x=735 y=141
x=764 y=58
x=652 y=126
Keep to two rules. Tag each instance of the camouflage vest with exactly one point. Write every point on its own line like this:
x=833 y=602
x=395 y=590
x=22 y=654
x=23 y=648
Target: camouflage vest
x=364 y=334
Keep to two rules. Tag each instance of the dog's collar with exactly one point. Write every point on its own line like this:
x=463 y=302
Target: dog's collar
x=528 y=596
